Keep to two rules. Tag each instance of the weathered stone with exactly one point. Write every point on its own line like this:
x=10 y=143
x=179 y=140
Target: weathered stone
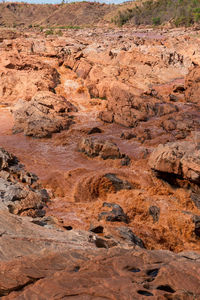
x=179 y=158
x=45 y=114
x=22 y=76
x=135 y=76
x=125 y=161
x=93 y=147
x=128 y=135
x=101 y=273
x=96 y=228
x=95 y=130
x=196 y=199
x=16 y=191
x=154 y=211
x=115 y=215
x=196 y=220
x=128 y=235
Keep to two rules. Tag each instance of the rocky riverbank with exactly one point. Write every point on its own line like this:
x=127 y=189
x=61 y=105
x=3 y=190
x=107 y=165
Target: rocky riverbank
x=106 y=204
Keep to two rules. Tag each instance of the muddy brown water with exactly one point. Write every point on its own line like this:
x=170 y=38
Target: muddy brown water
x=43 y=156
x=47 y=159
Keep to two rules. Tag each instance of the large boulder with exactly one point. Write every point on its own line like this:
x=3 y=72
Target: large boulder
x=93 y=147
x=181 y=159
x=45 y=114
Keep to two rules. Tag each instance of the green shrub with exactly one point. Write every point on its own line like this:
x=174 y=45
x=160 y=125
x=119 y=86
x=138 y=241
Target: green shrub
x=196 y=10
x=196 y=14
x=156 y=21
x=68 y=27
x=49 y=32
x=196 y=17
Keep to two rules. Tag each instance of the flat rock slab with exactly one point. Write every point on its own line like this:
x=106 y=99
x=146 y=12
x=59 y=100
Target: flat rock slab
x=20 y=237
x=106 y=274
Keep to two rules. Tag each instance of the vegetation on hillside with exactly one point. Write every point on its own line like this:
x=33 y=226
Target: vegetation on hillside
x=179 y=12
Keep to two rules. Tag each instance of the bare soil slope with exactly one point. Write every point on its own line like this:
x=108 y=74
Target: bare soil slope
x=24 y=14
x=15 y=14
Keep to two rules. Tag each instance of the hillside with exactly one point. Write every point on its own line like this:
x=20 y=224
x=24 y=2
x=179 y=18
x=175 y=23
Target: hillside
x=15 y=14
x=24 y=14
x=141 y=12
x=76 y=13
x=178 y=12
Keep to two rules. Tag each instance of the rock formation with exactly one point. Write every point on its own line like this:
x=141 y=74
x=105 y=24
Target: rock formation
x=45 y=114
x=180 y=159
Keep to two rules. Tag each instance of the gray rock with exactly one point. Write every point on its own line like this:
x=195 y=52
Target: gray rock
x=154 y=211
x=128 y=235
x=115 y=215
x=96 y=228
x=16 y=188
x=196 y=199
x=95 y=130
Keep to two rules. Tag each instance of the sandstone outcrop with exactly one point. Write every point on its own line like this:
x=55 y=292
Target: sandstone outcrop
x=127 y=109
x=130 y=77
x=117 y=273
x=23 y=76
x=8 y=34
x=94 y=147
x=180 y=159
x=45 y=114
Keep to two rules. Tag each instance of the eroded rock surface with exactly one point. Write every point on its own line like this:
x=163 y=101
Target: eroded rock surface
x=136 y=82
x=45 y=114
x=128 y=109
x=22 y=76
x=94 y=147
x=116 y=273
x=180 y=159
x=115 y=215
